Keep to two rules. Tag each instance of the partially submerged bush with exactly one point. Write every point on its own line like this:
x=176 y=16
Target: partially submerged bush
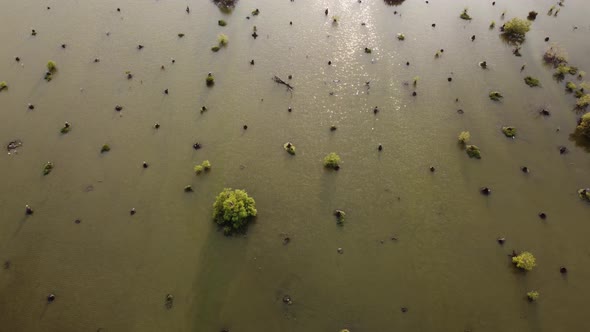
x=492 y=24
x=555 y=56
x=509 y=131
x=464 y=15
x=233 y=209
x=563 y=70
x=215 y=48
x=531 y=81
x=206 y=165
x=255 y=12
x=368 y=50
x=47 y=168
x=516 y=29
x=198 y=169
x=583 y=127
x=569 y=86
x=583 y=101
x=532 y=295
x=223 y=39
x=584 y=194
x=401 y=36
x=464 y=137
x=225 y=5
x=340 y=215
x=221 y=23
x=3 y=85
x=66 y=128
x=51 y=66
x=290 y=148
x=473 y=151
x=532 y=15
x=105 y=148
x=496 y=96
x=332 y=160
x=525 y=261
x=210 y=80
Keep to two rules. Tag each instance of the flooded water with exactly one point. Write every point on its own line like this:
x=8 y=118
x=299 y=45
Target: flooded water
x=112 y=271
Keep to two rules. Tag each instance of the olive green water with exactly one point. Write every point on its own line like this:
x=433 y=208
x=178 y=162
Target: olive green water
x=112 y=271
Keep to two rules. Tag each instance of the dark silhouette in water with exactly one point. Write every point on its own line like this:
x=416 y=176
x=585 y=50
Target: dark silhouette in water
x=394 y=2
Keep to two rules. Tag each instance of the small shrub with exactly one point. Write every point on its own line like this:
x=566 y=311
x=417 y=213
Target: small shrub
x=496 y=96
x=233 y=209
x=66 y=128
x=290 y=148
x=569 y=86
x=368 y=50
x=531 y=81
x=416 y=79
x=340 y=215
x=473 y=151
x=584 y=194
x=464 y=15
x=3 y=85
x=199 y=169
x=223 y=39
x=532 y=15
x=206 y=165
x=105 y=148
x=464 y=137
x=492 y=24
x=51 y=66
x=555 y=56
x=578 y=93
x=581 y=74
x=221 y=23
x=180 y=35
x=210 y=80
x=516 y=29
x=215 y=48
x=509 y=131
x=525 y=261
x=332 y=160
x=47 y=168
x=401 y=36
x=532 y=295
x=255 y=12
x=583 y=101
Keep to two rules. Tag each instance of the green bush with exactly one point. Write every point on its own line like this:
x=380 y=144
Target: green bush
x=368 y=50
x=584 y=127
x=516 y=29
x=332 y=160
x=206 y=165
x=255 y=12
x=531 y=81
x=51 y=66
x=223 y=39
x=583 y=101
x=66 y=128
x=47 y=168
x=210 y=80
x=584 y=194
x=464 y=15
x=509 y=131
x=3 y=85
x=496 y=96
x=532 y=295
x=464 y=137
x=473 y=151
x=569 y=86
x=340 y=215
x=525 y=261
x=105 y=148
x=233 y=209
x=290 y=148
x=492 y=24
x=215 y=48
x=198 y=169
x=532 y=15
x=222 y=23
x=401 y=36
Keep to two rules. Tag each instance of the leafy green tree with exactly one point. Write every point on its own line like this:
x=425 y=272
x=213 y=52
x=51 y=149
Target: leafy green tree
x=233 y=209
x=516 y=29
x=525 y=261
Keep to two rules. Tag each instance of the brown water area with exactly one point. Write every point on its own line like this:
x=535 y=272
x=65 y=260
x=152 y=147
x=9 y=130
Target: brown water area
x=418 y=249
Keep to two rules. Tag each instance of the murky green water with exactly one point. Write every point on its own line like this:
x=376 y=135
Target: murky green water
x=112 y=271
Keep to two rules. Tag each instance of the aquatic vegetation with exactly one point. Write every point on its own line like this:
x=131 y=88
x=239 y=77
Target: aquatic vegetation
x=401 y=36
x=464 y=137
x=516 y=29
x=583 y=101
x=210 y=80
x=188 y=189
x=569 y=86
x=531 y=81
x=416 y=79
x=584 y=194
x=225 y=5
x=290 y=148
x=368 y=50
x=221 y=23
x=473 y=151
x=335 y=19
x=390 y=3
x=51 y=66
x=47 y=168
x=3 y=85
x=509 y=131
x=66 y=128
x=233 y=209
x=464 y=15
x=555 y=56
x=532 y=295
x=105 y=148
x=198 y=169
x=215 y=48
x=496 y=96
x=532 y=15
x=255 y=12
x=340 y=215
x=551 y=9
x=492 y=24
x=524 y=260
x=332 y=160
x=222 y=39
x=563 y=70
x=206 y=165
x=180 y=35
x=583 y=127
x=581 y=75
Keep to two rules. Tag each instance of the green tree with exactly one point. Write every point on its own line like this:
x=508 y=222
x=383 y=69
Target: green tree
x=233 y=209
x=516 y=29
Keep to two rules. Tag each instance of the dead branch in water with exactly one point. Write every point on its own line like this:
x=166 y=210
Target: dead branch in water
x=280 y=81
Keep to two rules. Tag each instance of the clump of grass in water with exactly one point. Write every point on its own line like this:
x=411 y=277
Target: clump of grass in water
x=532 y=295
x=464 y=15
x=332 y=161
x=531 y=81
x=496 y=96
x=464 y=137
x=473 y=151
x=105 y=148
x=47 y=168
x=401 y=36
x=289 y=147
x=509 y=131
x=3 y=85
